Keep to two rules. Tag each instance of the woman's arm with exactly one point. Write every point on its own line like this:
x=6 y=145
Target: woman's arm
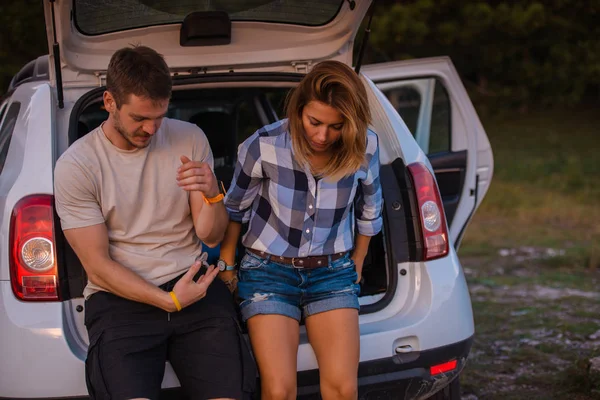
x=361 y=246
x=369 y=207
x=238 y=201
x=227 y=254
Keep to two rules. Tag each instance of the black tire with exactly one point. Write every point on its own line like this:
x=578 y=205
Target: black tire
x=450 y=392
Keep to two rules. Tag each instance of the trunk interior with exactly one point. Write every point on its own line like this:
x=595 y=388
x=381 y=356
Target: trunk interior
x=228 y=112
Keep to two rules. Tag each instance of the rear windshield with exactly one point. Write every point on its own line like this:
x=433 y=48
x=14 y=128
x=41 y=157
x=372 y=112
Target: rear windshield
x=95 y=17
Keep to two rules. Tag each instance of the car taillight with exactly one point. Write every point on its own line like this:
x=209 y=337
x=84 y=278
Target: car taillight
x=33 y=269
x=431 y=211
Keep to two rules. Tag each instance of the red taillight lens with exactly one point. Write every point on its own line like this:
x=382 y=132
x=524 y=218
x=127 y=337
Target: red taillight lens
x=443 y=368
x=33 y=270
x=431 y=211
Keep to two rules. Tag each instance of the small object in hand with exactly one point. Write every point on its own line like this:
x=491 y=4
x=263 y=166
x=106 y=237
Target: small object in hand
x=202 y=259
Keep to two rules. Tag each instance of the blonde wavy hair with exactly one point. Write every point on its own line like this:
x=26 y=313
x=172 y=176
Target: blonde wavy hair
x=337 y=85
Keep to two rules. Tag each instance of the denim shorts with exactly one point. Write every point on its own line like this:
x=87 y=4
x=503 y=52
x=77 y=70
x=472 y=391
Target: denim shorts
x=268 y=287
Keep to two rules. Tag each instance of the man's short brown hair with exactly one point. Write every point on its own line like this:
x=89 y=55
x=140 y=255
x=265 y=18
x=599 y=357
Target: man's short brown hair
x=140 y=71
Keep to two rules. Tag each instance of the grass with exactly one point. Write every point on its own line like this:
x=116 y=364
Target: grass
x=548 y=149
x=545 y=193
x=546 y=185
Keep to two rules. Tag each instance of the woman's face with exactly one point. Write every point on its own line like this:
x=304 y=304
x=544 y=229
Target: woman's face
x=323 y=126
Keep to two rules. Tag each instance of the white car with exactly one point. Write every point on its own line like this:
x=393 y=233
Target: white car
x=231 y=73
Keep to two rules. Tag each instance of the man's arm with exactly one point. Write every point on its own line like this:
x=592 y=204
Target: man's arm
x=91 y=246
x=210 y=220
x=85 y=230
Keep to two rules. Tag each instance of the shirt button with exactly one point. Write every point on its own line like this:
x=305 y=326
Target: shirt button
x=308 y=231
x=310 y=207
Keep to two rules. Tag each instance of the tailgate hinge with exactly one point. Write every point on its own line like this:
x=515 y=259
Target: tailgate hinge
x=101 y=76
x=302 y=67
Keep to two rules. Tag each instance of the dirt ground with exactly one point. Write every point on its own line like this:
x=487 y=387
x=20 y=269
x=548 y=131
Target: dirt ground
x=537 y=325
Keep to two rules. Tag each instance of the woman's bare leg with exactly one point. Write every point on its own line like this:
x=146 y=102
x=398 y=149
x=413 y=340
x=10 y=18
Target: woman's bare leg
x=335 y=338
x=274 y=341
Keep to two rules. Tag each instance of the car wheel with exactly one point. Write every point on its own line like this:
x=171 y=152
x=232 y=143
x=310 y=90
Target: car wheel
x=450 y=392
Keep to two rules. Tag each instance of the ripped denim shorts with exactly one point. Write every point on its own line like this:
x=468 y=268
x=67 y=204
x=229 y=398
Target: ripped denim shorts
x=267 y=287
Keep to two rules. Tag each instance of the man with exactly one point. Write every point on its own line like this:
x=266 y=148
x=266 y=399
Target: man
x=134 y=196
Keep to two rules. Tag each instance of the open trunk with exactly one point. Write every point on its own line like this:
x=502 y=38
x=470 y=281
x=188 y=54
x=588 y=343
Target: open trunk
x=228 y=112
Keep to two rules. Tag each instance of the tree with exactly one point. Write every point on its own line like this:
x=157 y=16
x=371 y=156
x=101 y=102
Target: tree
x=520 y=52
x=22 y=36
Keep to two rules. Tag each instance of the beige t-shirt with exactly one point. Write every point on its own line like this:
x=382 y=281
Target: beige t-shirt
x=135 y=193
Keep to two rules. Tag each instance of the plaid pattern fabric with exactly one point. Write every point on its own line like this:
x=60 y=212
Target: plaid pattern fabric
x=290 y=213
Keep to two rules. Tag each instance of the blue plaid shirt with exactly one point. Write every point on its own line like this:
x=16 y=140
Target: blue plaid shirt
x=290 y=213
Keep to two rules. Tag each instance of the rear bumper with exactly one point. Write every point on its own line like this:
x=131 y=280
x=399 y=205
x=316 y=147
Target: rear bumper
x=37 y=359
x=403 y=376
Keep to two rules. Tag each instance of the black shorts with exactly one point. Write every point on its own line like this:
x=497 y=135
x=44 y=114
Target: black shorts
x=130 y=343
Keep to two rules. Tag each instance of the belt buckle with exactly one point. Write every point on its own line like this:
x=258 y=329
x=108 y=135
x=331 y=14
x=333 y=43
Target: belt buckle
x=294 y=265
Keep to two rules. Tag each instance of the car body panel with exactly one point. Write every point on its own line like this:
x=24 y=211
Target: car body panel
x=37 y=359
x=467 y=132
x=254 y=45
x=30 y=159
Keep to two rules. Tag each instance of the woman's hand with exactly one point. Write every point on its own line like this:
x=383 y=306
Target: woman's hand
x=361 y=247
x=358 y=263
x=230 y=279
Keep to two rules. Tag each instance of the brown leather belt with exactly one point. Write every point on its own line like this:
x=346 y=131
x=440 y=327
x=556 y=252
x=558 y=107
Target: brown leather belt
x=300 y=262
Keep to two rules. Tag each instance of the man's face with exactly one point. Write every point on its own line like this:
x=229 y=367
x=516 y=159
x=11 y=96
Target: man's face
x=138 y=119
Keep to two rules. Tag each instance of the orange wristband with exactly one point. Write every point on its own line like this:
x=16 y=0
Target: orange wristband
x=216 y=199
x=174 y=297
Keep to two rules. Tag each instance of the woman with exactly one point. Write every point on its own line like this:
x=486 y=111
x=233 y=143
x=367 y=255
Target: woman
x=309 y=188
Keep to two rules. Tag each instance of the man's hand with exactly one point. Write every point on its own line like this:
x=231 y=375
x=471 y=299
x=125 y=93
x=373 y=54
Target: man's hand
x=188 y=291
x=196 y=175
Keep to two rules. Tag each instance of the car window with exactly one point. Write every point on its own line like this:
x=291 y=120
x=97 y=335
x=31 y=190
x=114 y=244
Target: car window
x=6 y=131
x=439 y=134
x=227 y=116
x=247 y=121
x=277 y=101
x=95 y=17
x=407 y=101
x=424 y=105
